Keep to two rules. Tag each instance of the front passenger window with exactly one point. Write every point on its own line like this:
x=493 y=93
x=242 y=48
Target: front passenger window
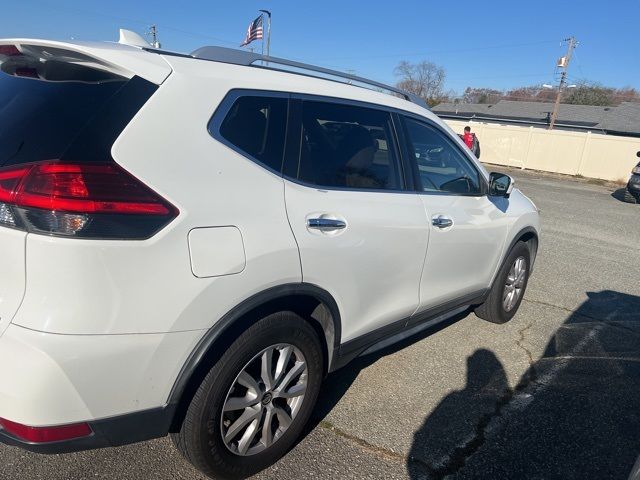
x=442 y=167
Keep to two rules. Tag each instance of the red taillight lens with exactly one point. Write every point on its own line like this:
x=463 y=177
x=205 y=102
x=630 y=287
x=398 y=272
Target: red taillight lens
x=45 y=434
x=104 y=188
x=90 y=200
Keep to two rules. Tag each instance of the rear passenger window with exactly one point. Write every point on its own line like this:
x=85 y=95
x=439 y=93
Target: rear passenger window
x=347 y=146
x=256 y=126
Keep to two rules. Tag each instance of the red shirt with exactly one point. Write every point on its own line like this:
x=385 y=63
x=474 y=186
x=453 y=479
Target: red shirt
x=468 y=139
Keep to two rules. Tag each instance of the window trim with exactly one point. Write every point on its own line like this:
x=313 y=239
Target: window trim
x=223 y=109
x=292 y=153
x=407 y=167
x=483 y=187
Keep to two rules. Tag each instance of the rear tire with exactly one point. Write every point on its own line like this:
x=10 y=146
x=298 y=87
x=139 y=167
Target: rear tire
x=508 y=288
x=210 y=437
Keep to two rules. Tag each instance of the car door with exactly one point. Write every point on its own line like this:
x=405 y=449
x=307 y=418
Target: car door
x=361 y=234
x=468 y=228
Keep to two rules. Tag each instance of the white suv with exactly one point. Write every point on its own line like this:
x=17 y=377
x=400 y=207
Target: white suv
x=190 y=243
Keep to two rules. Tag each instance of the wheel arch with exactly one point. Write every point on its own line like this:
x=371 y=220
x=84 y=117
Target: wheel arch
x=314 y=304
x=529 y=235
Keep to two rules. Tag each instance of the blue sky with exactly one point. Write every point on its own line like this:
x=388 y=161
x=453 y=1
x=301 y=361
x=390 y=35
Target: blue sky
x=498 y=44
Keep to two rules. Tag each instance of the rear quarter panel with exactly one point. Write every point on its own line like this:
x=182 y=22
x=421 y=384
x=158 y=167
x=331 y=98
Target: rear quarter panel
x=107 y=287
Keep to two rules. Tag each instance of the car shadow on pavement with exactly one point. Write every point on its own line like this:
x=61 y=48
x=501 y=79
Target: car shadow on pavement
x=339 y=382
x=574 y=414
x=622 y=195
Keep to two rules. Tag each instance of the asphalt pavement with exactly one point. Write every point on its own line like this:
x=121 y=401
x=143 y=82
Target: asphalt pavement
x=555 y=393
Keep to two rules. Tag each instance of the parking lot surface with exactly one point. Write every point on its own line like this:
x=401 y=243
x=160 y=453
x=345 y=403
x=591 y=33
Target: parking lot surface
x=555 y=393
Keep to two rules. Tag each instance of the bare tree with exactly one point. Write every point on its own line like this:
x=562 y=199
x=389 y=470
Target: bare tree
x=424 y=79
x=481 y=95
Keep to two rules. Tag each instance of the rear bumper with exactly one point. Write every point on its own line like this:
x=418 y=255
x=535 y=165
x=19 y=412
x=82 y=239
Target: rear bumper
x=111 y=432
x=118 y=384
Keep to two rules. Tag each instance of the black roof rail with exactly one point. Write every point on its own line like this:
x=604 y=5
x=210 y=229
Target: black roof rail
x=241 y=57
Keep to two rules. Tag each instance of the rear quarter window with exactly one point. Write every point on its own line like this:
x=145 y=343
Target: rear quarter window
x=256 y=127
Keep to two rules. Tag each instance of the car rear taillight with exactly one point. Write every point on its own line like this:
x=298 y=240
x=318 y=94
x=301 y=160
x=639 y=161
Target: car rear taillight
x=87 y=200
x=45 y=434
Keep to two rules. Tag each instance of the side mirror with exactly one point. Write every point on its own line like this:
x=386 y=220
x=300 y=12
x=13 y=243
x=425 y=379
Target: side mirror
x=500 y=185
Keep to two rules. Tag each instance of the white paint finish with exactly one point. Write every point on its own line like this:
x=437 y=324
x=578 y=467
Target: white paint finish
x=372 y=267
x=87 y=291
x=216 y=251
x=461 y=259
x=126 y=59
x=148 y=286
x=72 y=378
x=12 y=276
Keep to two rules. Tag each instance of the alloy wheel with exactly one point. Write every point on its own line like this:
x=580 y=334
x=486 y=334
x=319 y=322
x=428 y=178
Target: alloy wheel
x=514 y=284
x=264 y=399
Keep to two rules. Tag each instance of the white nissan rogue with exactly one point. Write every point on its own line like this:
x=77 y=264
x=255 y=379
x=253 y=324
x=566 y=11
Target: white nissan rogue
x=190 y=243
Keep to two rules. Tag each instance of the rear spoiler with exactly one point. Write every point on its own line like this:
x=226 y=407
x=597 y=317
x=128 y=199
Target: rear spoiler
x=124 y=60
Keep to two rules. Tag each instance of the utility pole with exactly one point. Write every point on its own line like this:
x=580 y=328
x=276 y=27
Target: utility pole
x=153 y=32
x=563 y=62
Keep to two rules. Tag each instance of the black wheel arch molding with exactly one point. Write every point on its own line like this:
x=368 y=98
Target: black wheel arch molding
x=325 y=314
x=527 y=234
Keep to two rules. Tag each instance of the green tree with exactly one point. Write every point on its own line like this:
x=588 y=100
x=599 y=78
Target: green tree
x=591 y=94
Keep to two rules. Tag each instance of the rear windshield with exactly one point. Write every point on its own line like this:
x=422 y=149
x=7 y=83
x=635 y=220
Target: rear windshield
x=49 y=101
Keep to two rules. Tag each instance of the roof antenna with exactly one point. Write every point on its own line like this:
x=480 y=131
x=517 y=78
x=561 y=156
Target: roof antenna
x=127 y=37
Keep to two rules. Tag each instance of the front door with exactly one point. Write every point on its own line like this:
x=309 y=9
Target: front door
x=468 y=228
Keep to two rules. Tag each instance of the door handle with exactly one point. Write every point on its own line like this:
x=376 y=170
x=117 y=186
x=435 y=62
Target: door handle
x=326 y=224
x=441 y=221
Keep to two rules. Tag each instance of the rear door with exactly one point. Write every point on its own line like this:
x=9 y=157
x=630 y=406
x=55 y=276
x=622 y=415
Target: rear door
x=468 y=228
x=362 y=234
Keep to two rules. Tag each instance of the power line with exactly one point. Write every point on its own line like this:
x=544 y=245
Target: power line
x=437 y=52
x=491 y=77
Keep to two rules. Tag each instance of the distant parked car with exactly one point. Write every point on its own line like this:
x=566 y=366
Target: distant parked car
x=632 y=193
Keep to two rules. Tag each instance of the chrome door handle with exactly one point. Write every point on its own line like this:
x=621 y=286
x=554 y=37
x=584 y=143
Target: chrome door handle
x=326 y=224
x=441 y=221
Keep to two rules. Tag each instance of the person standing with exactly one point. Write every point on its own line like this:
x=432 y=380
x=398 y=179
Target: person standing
x=468 y=137
x=471 y=141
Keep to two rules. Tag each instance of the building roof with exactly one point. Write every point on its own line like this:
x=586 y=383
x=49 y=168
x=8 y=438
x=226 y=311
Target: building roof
x=623 y=119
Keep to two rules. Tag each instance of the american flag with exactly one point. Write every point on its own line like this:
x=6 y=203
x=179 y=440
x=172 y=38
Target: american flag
x=254 y=32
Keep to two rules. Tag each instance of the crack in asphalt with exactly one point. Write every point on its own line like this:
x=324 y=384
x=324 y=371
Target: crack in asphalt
x=531 y=373
x=390 y=454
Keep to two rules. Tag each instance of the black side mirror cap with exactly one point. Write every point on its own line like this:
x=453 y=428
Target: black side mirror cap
x=500 y=185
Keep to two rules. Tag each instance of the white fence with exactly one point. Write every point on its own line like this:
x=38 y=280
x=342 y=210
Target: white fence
x=588 y=154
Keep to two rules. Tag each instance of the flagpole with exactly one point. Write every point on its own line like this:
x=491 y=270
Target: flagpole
x=268 y=32
x=262 y=34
